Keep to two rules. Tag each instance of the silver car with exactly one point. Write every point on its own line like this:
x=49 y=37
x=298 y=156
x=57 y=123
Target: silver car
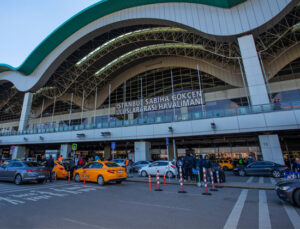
x=23 y=171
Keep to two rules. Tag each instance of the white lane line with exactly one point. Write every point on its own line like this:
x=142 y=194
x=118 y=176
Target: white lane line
x=292 y=214
x=261 y=180
x=264 y=221
x=273 y=181
x=250 y=180
x=155 y=205
x=235 y=214
x=82 y=223
x=29 y=189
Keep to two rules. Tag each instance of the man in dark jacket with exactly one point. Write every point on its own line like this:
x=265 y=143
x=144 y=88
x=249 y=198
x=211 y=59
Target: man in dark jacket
x=188 y=166
x=50 y=166
x=200 y=166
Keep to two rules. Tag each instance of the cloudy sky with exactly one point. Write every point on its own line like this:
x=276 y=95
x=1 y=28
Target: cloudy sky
x=25 y=23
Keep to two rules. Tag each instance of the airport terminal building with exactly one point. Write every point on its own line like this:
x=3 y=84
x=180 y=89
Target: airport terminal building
x=151 y=79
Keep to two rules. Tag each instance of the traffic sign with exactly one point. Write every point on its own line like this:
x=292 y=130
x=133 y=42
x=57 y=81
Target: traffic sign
x=113 y=145
x=74 y=146
x=167 y=141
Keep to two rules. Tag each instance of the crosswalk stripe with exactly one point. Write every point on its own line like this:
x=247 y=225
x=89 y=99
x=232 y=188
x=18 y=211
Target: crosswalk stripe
x=273 y=181
x=250 y=180
x=261 y=180
x=235 y=214
x=264 y=221
x=293 y=215
x=28 y=189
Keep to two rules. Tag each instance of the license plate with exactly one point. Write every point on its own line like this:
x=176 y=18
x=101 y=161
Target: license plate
x=41 y=176
x=120 y=171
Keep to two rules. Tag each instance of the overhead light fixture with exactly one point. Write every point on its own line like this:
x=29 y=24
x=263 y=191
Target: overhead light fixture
x=104 y=134
x=171 y=129
x=41 y=137
x=213 y=125
x=80 y=135
x=25 y=139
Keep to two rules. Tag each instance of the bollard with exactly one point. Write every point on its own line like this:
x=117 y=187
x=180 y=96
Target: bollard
x=150 y=186
x=218 y=179
x=69 y=178
x=205 y=183
x=181 y=181
x=213 y=188
x=84 y=179
x=164 y=178
x=157 y=182
x=198 y=178
x=54 y=177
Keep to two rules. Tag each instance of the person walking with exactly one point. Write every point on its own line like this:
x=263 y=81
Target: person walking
x=199 y=166
x=50 y=166
x=188 y=167
x=207 y=165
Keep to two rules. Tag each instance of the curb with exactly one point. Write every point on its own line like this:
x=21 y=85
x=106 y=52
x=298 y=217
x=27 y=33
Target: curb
x=217 y=185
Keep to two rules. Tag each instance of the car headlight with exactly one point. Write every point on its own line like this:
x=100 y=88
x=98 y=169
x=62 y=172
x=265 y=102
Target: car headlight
x=284 y=188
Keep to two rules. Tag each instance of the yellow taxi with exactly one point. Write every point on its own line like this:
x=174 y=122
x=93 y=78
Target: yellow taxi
x=60 y=170
x=100 y=172
x=225 y=164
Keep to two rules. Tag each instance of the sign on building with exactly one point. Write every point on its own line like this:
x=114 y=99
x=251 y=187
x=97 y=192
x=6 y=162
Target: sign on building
x=74 y=146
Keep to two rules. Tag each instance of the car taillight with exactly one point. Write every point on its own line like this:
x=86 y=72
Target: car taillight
x=172 y=166
x=62 y=168
x=286 y=167
x=31 y=170
x=110 y=171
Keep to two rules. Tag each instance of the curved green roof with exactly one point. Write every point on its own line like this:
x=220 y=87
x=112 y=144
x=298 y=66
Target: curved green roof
x=88 y=15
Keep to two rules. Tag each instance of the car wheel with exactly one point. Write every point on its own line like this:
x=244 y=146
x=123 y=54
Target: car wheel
x=225 y=168
x=42 y=181
x=119 y=182
x=276 y=174
x=77 y=178
x=144 y=174
x=242 y=173
x=100 y=180
x=170 y=174
x=297 y=197
x=18 y=179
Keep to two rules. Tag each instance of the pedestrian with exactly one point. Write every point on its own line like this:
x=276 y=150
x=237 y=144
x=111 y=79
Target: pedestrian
x=200 y=166
x=60 y=158
x=188 y=167
x=296 y=165
x=50 y=166
x=250 y=160
x=97 y=158
x=179 y=163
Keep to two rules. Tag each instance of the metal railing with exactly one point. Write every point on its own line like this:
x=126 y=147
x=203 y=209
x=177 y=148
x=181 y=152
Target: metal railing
x=165 y=116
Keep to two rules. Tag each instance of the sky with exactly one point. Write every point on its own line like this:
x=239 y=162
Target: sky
x=26 y=23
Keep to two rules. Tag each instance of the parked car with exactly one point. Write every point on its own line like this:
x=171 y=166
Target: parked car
x=164 y=167
x=23 y=171
x=101 y=172
x=289 y=190
x=225 y=164
x=261 y=168
x=140 y=164
x=60 y=170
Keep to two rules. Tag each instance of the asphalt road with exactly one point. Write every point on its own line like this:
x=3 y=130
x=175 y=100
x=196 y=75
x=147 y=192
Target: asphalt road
x=133 y=205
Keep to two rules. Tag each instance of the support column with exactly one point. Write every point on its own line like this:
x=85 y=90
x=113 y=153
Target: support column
x=254 y=75
x=172 y=148
x=65 y=150
x=26 y=109
x=142 y=151
x=270 y=148
x=18 y=152
x=107 y=153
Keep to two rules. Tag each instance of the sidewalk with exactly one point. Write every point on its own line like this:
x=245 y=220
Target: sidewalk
x=231 y=184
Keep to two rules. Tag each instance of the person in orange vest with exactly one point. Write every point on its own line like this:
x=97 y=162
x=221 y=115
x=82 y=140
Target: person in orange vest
x=60 y=158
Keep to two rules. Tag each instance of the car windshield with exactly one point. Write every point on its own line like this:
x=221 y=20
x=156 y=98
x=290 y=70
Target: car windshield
x=31 y=164
x=112 y=164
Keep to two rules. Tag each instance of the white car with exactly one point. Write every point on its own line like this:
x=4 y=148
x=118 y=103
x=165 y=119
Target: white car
x=164 y=167
x=120 y=162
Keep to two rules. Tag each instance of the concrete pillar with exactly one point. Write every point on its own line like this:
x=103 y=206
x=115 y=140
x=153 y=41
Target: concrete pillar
x=254 y=75
x=26 y=109
x=65 y=150
x=171 y=150
x=107 y=152
x=270 y=148
x=18 y=152
x=142 y=151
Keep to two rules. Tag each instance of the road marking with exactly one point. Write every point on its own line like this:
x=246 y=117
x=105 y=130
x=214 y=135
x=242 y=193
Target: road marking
x=292 y=214
x=235 y=214
x=28 y=189
x=264 y=221
x=155 y=205
x=273 y=181
x=82 y=223
x=12 y=201
x=261 y=180
x=250 y=180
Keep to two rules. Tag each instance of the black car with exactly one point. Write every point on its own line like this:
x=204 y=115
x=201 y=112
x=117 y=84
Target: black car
x=289 y=190
x=261 y=168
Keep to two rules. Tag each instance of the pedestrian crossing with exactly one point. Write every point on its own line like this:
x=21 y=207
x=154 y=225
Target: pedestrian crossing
x=268 y=205
x=262 y=180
